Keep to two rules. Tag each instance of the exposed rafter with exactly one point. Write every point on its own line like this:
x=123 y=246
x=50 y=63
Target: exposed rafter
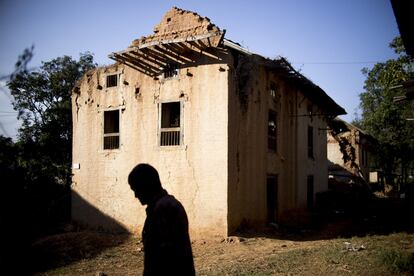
x=152 y=54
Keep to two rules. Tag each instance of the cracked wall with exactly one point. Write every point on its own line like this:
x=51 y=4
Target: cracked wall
x=194 y=172
x=250 y=160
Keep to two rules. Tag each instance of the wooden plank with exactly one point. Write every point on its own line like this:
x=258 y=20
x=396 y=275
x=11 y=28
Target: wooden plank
x=172 y=55
x=155 y=55
x=136 y=65
x=180 y=39
x=176 y=48
x=147 y=58
x=142 y=62
x=203 y=50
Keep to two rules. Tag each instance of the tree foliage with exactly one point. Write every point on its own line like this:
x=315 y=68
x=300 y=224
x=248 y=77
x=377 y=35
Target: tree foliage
x=43 y=101
x=385 y=119
x=37 y=168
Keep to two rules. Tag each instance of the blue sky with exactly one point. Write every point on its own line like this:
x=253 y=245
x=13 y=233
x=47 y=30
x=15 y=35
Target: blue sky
x=328 y=41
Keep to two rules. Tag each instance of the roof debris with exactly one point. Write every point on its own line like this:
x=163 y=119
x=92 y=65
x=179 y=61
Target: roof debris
x=178 y=23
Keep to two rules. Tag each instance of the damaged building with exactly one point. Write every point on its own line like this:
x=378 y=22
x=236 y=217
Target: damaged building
x=238 y=138
x=351 y=153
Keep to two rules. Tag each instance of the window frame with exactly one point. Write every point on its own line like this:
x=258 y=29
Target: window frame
x=171 y=70
x=273 y=90
x=108 y=76
x=180 y=128
x=275 y=137
x=111 y=134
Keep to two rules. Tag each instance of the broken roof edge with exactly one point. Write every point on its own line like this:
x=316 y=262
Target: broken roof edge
x=223 y=41
x=283 y=64
x=351 y=126
x=236 y=46
x=178 y=23
x=319 y=95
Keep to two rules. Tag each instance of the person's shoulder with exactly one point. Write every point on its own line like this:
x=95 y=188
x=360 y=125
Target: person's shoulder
x=169 y=201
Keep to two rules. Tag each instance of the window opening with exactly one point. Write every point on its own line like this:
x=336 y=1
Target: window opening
x=310 y=192
x=170 y=70
x=364 y=155
x=170 y=133
x=272 y=90
x=111 y=129
x=272 y=131
x=310 y=142
x=112 y=80
x=309 y=109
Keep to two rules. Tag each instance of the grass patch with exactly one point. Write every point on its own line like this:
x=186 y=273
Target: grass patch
x=397 y=261
x=380 y=255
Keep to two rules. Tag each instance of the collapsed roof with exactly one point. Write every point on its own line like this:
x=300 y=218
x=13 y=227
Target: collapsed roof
x=178 y=34
x=181 y=33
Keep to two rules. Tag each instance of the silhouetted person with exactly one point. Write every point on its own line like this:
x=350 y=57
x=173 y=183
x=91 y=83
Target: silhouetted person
x=167 y=246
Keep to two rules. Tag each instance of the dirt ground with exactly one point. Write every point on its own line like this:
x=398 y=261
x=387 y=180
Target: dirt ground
x=94 y=253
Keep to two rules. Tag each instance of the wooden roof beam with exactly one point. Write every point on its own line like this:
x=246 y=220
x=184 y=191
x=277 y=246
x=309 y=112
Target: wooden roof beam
x=140 y=62
x=123 y=60
x=182 y=52
x=171 y=55
x=148 y=58
x=155 y=55
x=181 y=39
x=203 y=50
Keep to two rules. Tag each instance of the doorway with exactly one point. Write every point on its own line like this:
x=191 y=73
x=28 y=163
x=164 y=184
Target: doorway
x=272 y=198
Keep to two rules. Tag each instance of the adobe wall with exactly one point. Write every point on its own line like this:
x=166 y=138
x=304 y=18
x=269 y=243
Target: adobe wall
x=195 y=172
x=318 y=165
x=357 y=142
x=334 y=152
x=250 y=160
x=247 y=152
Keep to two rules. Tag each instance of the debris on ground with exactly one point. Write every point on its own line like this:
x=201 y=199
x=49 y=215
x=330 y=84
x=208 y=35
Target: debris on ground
x=350 y=247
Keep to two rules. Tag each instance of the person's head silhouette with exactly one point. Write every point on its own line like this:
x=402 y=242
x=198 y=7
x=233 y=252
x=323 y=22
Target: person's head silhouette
x=145 y=182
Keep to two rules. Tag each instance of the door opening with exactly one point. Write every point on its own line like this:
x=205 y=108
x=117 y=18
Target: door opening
x=272 y=198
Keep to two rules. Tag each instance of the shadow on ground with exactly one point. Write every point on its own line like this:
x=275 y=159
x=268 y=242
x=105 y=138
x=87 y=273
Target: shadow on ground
x=375 y=216
x=62 y=249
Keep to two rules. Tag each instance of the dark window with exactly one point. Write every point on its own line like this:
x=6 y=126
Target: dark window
x=310 y=192
x=364 y=157
x=111 y=80
x=111 y=129
x=170 y=70
x=310 y=109
x=271 y=197
x=170 y=124
x=310 y=142
x=272 y=90
x=272 y=131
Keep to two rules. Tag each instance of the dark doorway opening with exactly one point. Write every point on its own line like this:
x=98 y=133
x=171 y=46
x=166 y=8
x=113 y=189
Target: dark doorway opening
x=272 y=197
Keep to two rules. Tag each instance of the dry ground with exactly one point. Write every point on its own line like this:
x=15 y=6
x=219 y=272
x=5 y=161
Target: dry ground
x=93 y=253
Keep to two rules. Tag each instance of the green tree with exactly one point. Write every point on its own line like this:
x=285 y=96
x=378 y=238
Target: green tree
x=385 y=119
x=43 y=151
x=43 y=100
